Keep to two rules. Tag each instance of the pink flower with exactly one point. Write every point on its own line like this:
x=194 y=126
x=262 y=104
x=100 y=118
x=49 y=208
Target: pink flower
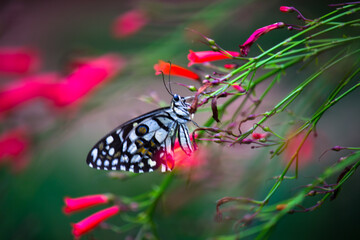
x=14 y=94
x=175 y=70
x=83 y=80
x=238 y=88
x=208 y=56
x=91 y=222
x=65 y=92
x=184 y=162
x=245 y=47
x=129 y=23
x=18 y=60
x=81 y=203
x=230 y=66
x=14 y=146
x=258 y=136
x=286 y=9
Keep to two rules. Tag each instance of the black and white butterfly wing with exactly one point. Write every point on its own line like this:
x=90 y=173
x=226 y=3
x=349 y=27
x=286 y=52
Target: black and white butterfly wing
x=139 y=145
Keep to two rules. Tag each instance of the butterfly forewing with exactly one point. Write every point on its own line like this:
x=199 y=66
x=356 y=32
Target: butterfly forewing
x=145 y=143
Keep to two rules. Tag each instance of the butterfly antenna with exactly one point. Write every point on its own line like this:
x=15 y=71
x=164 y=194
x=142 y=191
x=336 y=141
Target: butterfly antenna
x=169 y=79
x=167 y=89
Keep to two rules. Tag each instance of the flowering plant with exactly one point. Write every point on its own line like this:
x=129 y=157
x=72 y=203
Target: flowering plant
x=260 y=127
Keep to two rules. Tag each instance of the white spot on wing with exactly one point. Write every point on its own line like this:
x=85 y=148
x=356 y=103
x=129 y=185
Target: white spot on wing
x=109 y=139
x=148 y=136
x=122 y=168
x=124 y=146
x=141 y=171
x=115 y=162
x=132 y=148
x=160 y=135
x=141 y=165
x=98 y=162
x=94 y=154
x=90 y=164
x=136 y=158
x=106 y=163
x=113 y=168
x=124 y=158
x=111 y=151
x=151 y=163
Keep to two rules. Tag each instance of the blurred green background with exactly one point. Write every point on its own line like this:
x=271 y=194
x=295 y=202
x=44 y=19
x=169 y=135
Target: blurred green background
x=31 y=201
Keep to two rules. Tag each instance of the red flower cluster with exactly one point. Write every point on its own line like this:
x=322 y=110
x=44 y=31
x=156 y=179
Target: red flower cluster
x=92 y=221
x=61 y=92
x=129 y=23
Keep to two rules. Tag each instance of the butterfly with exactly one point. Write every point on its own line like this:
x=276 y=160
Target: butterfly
x=145 y=143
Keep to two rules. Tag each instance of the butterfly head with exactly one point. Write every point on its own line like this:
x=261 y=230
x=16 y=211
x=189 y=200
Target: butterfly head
x=180 y=107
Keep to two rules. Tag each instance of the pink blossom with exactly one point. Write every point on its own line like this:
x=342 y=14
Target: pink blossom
x=18 y=60
x=129 y=23
x=239 y=88
x=230 y=66
x=65 y=92
x=245 y=47
x=286 y=9
x=258 y=136
x=83 y=80
x=92 y=221
x=16 y=93
x=208 y=56
x=81 y=203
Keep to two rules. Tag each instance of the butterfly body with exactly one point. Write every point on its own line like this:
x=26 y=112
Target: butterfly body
x=145 y=143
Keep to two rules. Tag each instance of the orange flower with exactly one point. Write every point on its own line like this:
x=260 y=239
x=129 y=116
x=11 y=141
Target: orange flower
x=176 y=70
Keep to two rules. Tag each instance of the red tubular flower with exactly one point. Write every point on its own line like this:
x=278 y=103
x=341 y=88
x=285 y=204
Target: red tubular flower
x=129 y=23
x=18 y=60
x=175 y=70
x=208 y=56
x=24 y=90
x=286 y=9
x=91 y=222
x=83 y=80
x=245 y=47
x=81 y=203
x=14 y=146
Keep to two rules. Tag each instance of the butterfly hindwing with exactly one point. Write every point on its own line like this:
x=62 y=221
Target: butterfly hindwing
x=139 y=145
